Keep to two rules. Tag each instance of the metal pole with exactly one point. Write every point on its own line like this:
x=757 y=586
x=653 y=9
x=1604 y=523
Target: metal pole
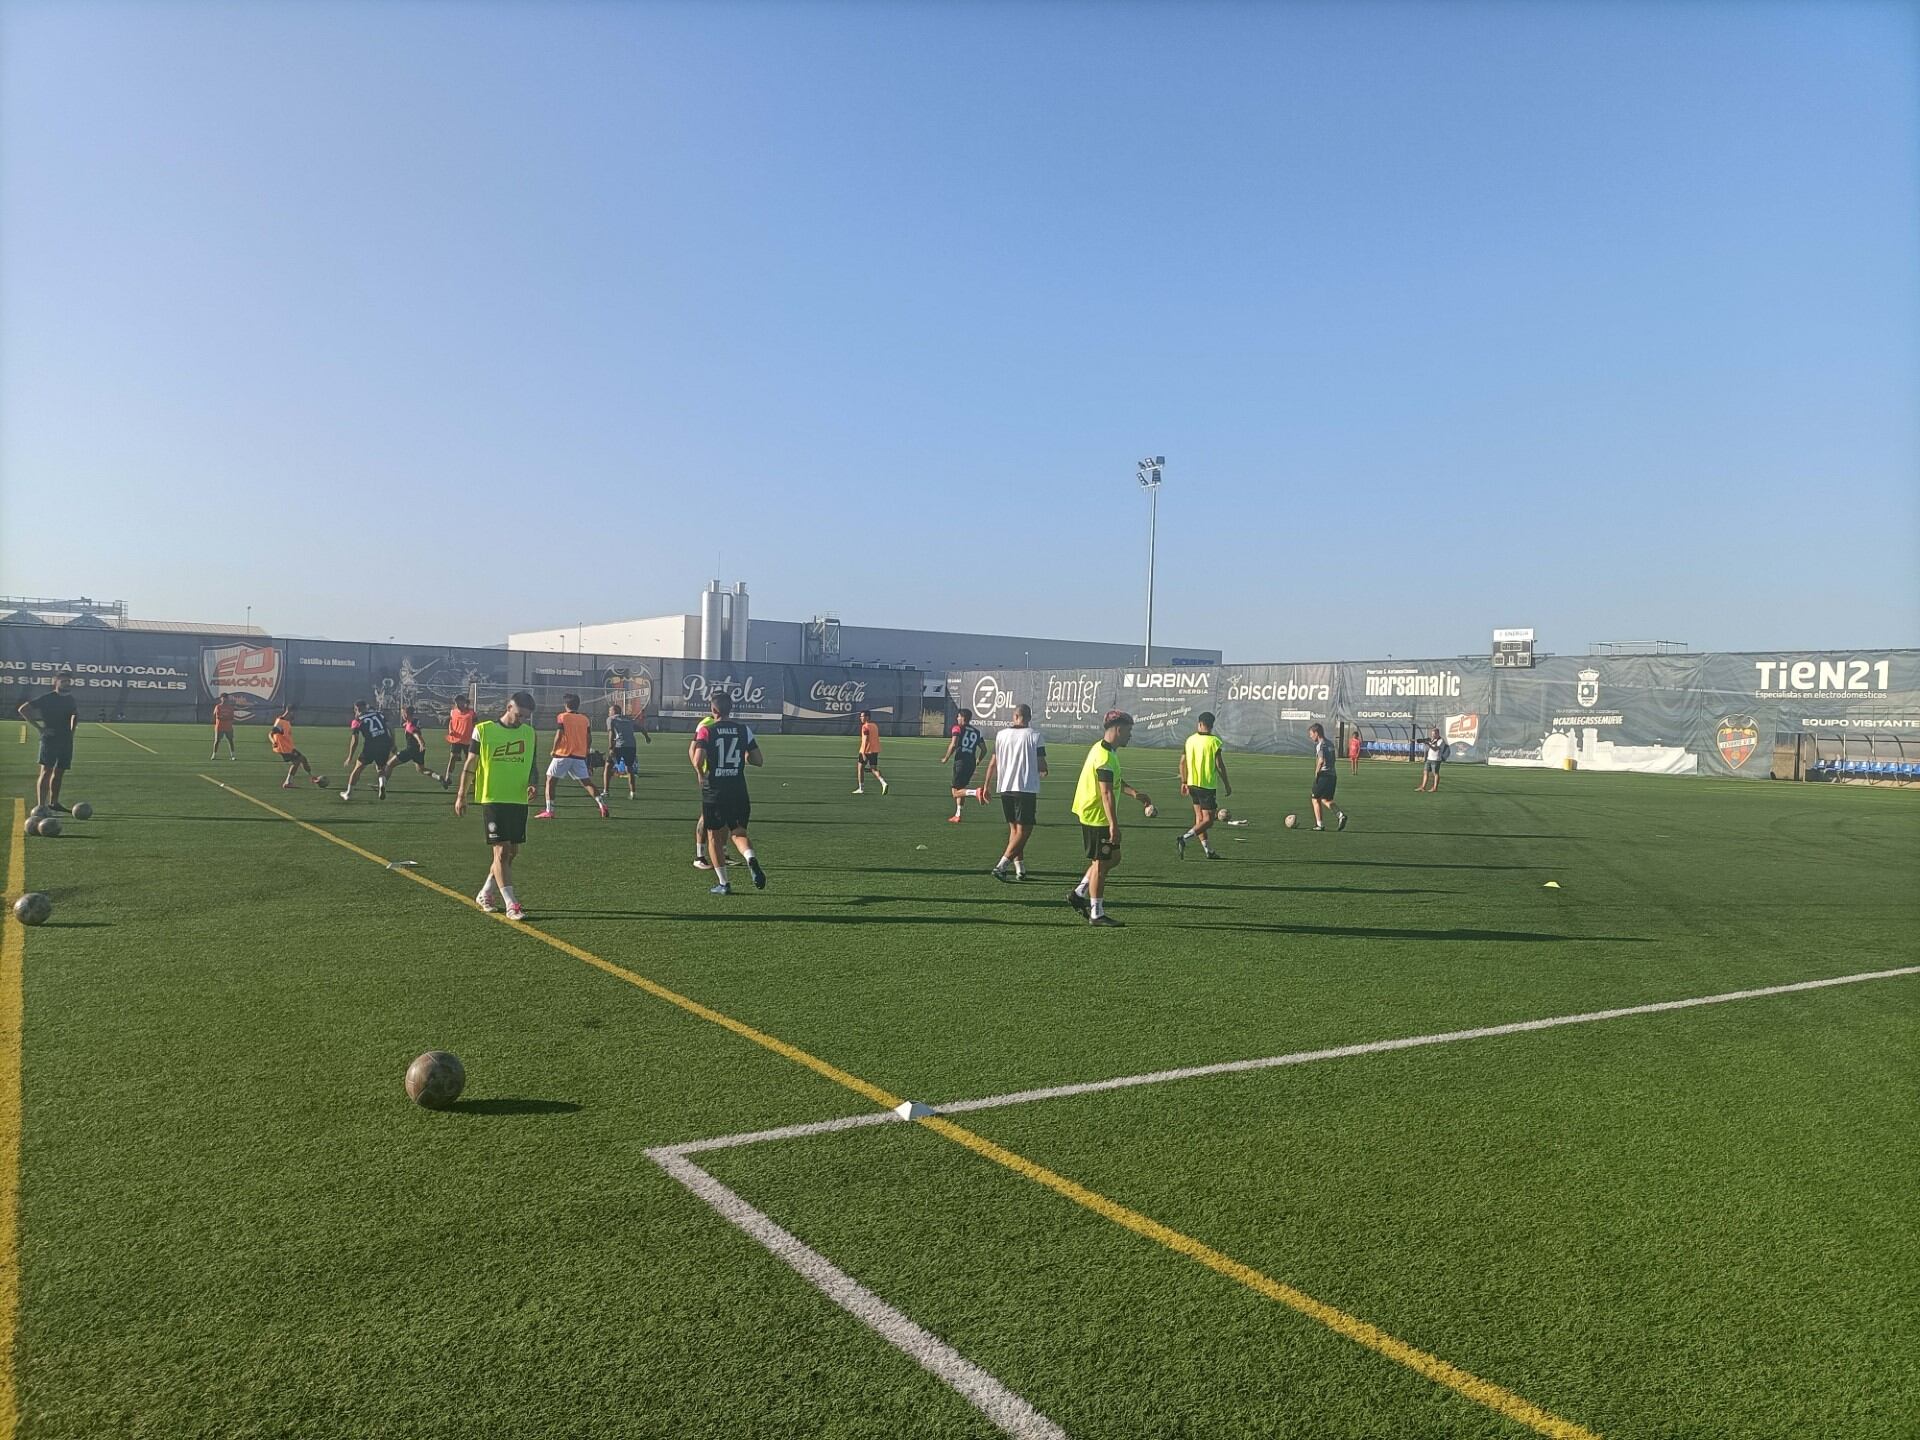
x=1153 y=531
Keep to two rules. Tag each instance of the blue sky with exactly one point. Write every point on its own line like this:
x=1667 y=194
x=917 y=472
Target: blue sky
x=441 y=320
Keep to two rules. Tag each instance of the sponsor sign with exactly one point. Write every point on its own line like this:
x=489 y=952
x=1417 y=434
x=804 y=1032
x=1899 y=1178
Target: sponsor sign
x=987 y=700
x=1828 y=677
x=249 y=673
x=1462 y=730
x=833 y=700
x=1397 y=684
x=1072 y=697
x=1587 y=691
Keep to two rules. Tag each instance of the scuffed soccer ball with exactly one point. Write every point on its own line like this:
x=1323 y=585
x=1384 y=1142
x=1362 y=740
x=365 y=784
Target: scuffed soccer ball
x=32 y=827
x=1226 y=817
x=50 y=826
x=33 y=909
x=83 y=811
x=1292 y=820
x=436 y=1079
x=1151 y=811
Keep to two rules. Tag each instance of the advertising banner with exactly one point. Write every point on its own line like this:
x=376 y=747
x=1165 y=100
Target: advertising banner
x=824 y=700
x=117 y=675
x=1269 y=707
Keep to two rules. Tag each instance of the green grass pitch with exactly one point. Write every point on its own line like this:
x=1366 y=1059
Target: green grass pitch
x=1696 y=1222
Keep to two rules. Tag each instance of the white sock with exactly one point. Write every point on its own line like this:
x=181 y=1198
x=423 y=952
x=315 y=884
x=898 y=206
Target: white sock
x=486 y=886
x=1099 y=908
x=746 y=853
x=506 y=894
x=721 y=872
x=1190 y=835
x=1000 y=865
x=1081 y=889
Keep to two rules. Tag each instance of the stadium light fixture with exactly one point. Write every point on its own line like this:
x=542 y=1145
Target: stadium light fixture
x=1149 y=475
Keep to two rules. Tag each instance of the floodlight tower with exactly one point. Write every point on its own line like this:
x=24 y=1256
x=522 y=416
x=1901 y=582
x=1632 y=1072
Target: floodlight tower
x=1149 y=473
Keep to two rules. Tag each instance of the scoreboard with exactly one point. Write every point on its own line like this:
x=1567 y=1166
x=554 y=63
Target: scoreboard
x=1513 y=649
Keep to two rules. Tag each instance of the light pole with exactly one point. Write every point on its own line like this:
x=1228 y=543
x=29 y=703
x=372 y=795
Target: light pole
x=249 y=619
x=1149 y=471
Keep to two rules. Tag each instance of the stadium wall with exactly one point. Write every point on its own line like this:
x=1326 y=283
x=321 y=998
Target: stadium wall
x=174 y=677
x=1712 y=714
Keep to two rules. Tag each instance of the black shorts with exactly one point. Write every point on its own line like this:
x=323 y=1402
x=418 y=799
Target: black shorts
x=457 y=751
x=870 y=761
x=290 y=757
x=412 y=755
x=726 y=808
x=1020 y=808
x=56 y=754
x=506 y=824
x=963 y=773
x=625 y=759
x=1098 y=844
x=377 y=754
x=1203 y=798
x=1323 y=785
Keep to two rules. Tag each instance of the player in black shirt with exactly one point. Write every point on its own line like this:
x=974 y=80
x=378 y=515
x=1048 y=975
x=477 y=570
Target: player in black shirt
x=722 y=749
x=56 y=715
x=963 y=749
x=374 y=738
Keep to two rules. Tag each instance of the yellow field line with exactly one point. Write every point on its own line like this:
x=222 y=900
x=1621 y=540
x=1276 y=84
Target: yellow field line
x=13 y=950
x=1482 y=1392
x=128 y=738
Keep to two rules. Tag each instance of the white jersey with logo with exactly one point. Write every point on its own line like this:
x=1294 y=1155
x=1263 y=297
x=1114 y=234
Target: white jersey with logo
x=1016 y=758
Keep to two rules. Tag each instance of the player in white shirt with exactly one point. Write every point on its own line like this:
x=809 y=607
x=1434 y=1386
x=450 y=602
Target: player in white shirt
x=1016 y=767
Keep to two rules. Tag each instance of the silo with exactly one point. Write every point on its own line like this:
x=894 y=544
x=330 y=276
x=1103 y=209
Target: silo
x=713 y=615
x=738 y=637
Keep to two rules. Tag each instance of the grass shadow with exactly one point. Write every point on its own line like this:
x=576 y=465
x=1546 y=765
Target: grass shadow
x=513 y=1107
x=1374 y=932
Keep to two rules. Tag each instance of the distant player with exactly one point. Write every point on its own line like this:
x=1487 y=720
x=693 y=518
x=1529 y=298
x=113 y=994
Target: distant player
x=56 y=715
x=1353 y=753
x=869 y=758
x=461 y=718
x=1437 y=752
x=572 y=740
x=224 y=713
x=280 y=737
x=1203 y=780
x=1326 y=773
x=1016 y=767
x=963 y=749
x=502 y=760
x=623 y=756
x=373 y=737
x=1093 y=805
x=413 y=745
x=720 y=752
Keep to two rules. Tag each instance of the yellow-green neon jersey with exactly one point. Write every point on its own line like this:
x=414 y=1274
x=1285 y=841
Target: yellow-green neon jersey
x=505 y=755
x=1203 y=761
x=1087 y=803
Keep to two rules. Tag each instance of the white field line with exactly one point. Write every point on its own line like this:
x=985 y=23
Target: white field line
x=1270 y=1062
x=1009 y=1412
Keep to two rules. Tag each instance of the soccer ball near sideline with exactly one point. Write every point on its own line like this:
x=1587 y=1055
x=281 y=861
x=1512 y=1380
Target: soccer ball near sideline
x=83 y=811
x=1292 y=820
x=50 y=826
x=436 y=1079
x=32 y=827
x=33 y=909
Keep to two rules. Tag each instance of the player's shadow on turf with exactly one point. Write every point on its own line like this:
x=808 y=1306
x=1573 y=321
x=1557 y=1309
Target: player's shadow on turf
x=1052 y=902
x=1376 y=932
x=1474 y=834
x=1297 y=889
x=1410 y=864
x=513 y=1107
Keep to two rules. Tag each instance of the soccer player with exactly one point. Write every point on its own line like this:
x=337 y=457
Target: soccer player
x=1018 y=763
x=1203 y=779
x=572 y=739
x=963 y=749
x=223 y=714
x=720 y=752
x=56 y=715
x=460 y=722
x=414 y=751
x=374 y=739
x=1326 y=773
x=623 y=756
x=869 y=758
x=280 y=737
x=1093 y=806
x=1436 y=756
x=1353 y=753
x=504 y=753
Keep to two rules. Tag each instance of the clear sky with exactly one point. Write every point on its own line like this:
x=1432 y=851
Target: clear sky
x=440 y=320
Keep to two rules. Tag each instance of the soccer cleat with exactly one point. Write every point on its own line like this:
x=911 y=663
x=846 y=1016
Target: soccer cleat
x=1213 y=854
x=759 y=875
x=700 y=863
x=544 y=815
x=1343 y=821
x=981 y=794
x=859 y=790
x=485 y=901
x=605 y=814
x=346 y=794
x=721 y=889
x=515 y=911
x=883 y=783
x=1107 y=920
x=1078 y=901
x=286 y=784
x=953 y=819
x=1000 y=872
x=1180 y=844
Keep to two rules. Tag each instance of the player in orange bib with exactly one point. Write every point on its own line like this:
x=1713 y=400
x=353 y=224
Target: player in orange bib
x=572 y=741
x=869 y=757
x=224 y=712
x=280 y=736
x=460 y=722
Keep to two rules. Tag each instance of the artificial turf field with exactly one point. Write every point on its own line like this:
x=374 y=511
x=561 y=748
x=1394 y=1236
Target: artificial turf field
x=1693 y=1222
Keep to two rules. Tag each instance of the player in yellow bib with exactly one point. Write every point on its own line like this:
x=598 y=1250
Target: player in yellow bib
x=502 y=760
x=1203 y=780
x=1093 y=806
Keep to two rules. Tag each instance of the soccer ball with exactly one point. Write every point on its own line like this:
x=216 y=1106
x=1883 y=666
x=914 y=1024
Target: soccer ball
x=436 y=1079
x=33 y=909
x=32 y=827
x=1226 y=817
x=319 y=780
x=1292 y=820
x=50 y=826
x=1150 y=812
x=40 y=812
x=83 y=811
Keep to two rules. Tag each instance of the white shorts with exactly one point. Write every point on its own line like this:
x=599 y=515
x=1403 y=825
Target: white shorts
x=567 y=767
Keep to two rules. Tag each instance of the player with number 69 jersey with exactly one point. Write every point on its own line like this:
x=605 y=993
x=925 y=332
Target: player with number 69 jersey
x=722 y=749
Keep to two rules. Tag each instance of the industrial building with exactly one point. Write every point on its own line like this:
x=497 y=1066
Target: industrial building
x=726 y=630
